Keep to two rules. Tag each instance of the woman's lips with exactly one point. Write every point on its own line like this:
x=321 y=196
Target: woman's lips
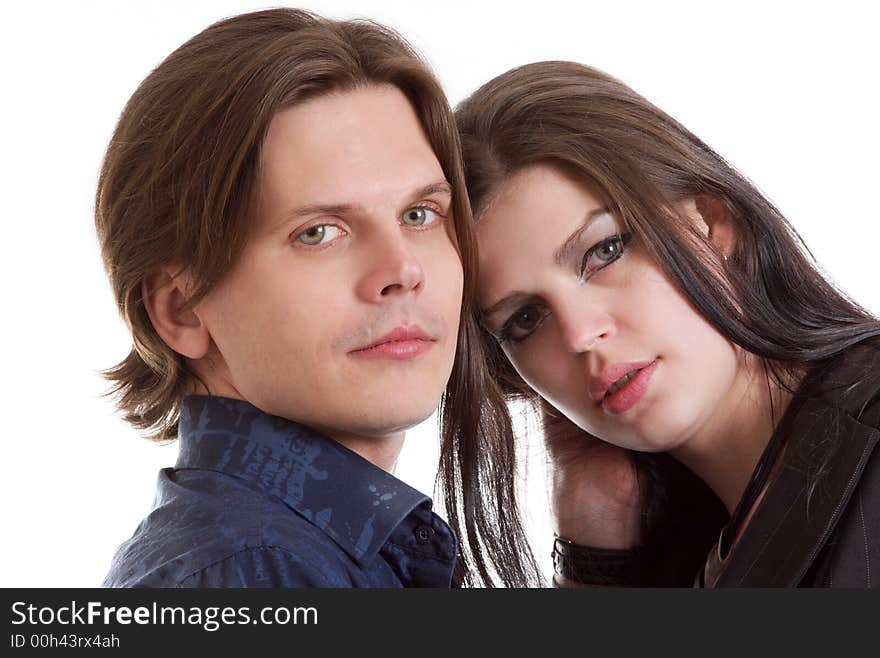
x=628 y=396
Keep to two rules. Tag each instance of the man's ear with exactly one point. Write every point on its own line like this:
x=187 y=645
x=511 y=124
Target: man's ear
x=714 y=220
x=165 y=292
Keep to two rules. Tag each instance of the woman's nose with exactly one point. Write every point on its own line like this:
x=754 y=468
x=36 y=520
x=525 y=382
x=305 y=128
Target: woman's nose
x=583 y=329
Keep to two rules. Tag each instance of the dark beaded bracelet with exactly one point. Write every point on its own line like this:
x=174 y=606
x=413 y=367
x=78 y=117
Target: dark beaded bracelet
x=597 y=566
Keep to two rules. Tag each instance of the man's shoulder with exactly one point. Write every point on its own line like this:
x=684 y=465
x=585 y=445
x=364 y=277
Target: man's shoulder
x=211 y=530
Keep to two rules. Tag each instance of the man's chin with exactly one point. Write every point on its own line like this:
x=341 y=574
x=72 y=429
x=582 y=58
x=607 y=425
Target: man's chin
x=388 y=424
x=374 y=421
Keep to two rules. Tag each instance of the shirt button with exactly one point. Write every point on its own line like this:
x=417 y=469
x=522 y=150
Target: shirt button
x=424 y=533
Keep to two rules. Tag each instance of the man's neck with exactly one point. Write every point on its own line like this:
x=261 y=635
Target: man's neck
x=382 y=451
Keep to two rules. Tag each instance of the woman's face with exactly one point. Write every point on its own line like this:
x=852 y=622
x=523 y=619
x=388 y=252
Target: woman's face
x=592 y=324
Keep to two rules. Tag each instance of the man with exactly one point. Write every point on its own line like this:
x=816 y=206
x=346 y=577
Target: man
x=283 y=220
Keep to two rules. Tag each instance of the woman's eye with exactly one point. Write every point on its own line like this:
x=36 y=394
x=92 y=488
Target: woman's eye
x=319 y=234
x=419 y=216
x=603 y=253
x=522 y=324
x=609 y=251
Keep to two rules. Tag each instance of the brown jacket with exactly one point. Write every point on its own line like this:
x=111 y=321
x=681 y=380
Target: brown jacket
x=818 y=523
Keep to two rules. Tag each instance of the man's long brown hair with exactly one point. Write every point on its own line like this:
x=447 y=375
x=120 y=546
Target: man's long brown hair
x=178 y=183
x=179 y=177
x=769 y=297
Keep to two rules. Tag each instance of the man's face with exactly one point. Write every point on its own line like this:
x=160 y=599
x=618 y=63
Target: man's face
x=343 y=311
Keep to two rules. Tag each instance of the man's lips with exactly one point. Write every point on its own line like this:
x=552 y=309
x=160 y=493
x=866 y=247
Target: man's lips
x=610 y=374
x=402 y=342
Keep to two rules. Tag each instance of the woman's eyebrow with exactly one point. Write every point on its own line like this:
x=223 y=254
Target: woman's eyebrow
x=562 y=254
x=560 y=258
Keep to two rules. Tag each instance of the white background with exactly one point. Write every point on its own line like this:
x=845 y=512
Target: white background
x=786 y=91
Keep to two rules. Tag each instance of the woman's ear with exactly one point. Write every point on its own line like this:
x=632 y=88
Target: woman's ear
x=165 y=292
x=714 y=220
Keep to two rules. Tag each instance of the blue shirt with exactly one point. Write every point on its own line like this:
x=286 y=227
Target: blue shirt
x=259 y=501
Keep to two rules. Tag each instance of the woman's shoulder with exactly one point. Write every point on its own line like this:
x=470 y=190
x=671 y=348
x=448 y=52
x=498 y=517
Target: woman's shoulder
x=850 y=382
x=853 y=548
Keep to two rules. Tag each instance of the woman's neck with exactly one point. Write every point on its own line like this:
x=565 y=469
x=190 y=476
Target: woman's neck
x=726 y=449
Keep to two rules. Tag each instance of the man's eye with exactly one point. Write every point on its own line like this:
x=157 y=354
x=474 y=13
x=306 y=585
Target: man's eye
x=522 y=324
x=318 y=234
x=420 y=216
x=602 y=254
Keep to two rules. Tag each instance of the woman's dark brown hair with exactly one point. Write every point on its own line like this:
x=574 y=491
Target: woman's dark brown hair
x=769 y=297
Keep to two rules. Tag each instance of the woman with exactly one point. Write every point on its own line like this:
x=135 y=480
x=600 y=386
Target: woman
x=658 y=303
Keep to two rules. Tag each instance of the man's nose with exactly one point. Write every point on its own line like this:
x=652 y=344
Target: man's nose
x=393 y=267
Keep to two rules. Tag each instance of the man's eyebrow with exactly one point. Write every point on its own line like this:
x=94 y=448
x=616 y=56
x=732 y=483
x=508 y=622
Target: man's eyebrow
x=561 y=255
x=318 y=209
x=438 y=187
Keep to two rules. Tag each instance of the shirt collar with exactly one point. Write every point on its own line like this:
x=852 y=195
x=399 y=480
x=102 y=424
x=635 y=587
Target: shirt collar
x=353 y=501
